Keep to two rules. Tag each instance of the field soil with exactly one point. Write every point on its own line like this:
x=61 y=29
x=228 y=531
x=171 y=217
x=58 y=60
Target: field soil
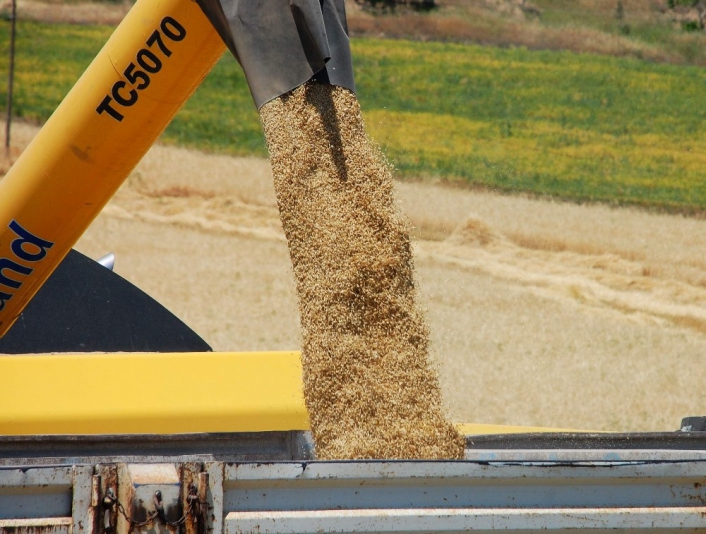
x=541 y=313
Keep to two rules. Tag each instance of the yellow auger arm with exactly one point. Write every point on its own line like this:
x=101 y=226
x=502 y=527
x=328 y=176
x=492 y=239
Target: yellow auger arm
x=149 y=67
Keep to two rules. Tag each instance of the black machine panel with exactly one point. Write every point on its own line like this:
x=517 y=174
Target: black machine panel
x=85 y=307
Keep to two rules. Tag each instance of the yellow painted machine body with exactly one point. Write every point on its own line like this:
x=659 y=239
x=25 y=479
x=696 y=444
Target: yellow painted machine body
x=149 y=67
x=149 y=393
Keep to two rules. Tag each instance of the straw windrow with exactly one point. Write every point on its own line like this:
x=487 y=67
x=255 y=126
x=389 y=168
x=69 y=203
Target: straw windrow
x=369 y=389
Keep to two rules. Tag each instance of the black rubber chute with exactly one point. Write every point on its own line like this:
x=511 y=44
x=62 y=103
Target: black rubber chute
x=282 y=44
x=85 y=307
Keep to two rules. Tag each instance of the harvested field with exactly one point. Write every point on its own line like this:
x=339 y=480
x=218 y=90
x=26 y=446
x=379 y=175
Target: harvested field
x=541 y=313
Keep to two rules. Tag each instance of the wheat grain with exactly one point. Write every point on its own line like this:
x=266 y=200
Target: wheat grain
x=368 y=385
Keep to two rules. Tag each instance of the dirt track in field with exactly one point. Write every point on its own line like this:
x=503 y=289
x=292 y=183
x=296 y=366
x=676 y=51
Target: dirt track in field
x=542 y=313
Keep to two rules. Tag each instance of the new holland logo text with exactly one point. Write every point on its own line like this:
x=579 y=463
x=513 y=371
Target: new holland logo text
x=27 y=249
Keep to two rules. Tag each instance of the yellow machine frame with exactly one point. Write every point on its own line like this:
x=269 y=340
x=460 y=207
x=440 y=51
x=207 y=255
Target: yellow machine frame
x=149 y=67
x=161 y=394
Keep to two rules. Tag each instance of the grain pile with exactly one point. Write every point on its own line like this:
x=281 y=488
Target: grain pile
x=368 y=385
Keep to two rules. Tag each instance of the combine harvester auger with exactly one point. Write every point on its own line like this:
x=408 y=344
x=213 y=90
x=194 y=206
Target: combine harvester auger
x=179 y=438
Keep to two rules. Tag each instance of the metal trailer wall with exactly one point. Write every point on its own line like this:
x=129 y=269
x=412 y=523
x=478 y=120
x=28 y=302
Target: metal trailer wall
x=266 y=483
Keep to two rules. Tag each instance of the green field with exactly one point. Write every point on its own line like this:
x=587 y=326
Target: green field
x=573 y=126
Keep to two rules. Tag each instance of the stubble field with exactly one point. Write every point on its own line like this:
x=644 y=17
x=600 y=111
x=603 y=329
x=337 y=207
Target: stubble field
x=542 y=313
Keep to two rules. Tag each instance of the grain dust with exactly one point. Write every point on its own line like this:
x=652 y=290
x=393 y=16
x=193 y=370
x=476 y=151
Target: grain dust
x=368 y=384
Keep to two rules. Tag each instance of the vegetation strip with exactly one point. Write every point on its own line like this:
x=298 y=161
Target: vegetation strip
x=572 y=126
